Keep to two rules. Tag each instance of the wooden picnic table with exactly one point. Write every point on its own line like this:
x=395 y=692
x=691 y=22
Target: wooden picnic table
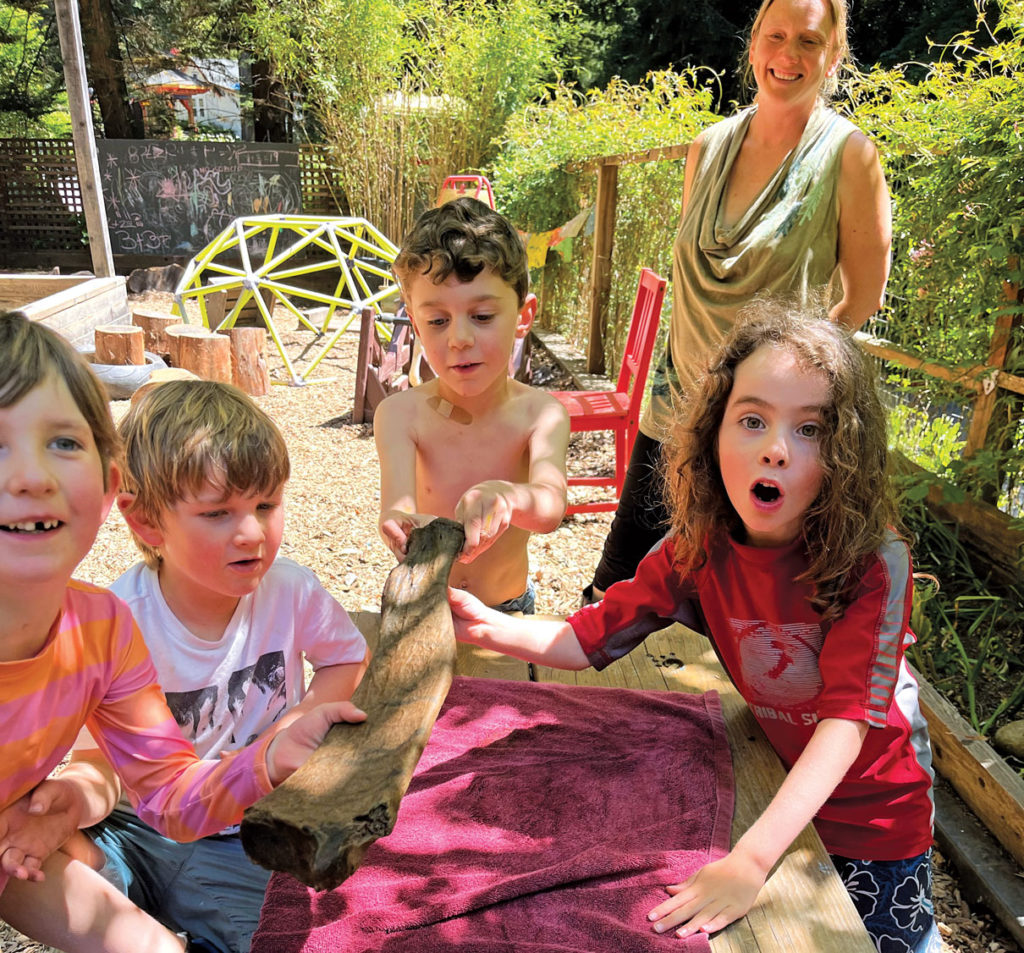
x=804 y=907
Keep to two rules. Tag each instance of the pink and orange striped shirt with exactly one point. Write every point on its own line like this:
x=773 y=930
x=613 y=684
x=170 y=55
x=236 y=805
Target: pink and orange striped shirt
x=95 y=670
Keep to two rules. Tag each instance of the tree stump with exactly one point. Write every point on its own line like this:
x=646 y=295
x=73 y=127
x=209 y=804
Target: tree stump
x=207 y=355
x=154 y=326
x=318 y=824
x=249 y=369
x=199 y=350
x=174 y=333
x=119 y=344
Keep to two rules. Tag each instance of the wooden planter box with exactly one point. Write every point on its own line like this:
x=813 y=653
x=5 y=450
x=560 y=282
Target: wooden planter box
x=72 y=305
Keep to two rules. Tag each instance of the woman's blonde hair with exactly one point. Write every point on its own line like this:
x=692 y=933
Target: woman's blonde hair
x=184 y=435
x=854 y=508
x=841 y=55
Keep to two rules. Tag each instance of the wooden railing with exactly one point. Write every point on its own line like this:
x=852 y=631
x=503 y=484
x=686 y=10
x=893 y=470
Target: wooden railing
x=983 y=379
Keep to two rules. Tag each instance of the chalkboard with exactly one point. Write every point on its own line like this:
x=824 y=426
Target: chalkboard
x=172 y=198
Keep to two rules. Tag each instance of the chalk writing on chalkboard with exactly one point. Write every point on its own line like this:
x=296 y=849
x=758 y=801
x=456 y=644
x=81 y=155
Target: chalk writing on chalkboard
x=172 y=198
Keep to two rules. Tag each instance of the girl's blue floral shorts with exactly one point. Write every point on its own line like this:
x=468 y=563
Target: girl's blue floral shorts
x=894 y=899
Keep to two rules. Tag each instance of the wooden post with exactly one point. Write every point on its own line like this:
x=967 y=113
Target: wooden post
x=318 y=824
x=119 y=344
x=207 y=355
x=1007 y=320
x=154 y=326
x=361 y=412
x=601 y=268
x=249 y=369
x=70 y=31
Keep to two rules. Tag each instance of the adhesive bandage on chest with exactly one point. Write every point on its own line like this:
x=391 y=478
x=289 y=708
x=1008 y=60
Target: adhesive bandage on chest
x=449 y=410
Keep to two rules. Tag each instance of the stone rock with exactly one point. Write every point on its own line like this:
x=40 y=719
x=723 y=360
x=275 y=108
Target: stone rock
x=158 y=278
x=1010 y=739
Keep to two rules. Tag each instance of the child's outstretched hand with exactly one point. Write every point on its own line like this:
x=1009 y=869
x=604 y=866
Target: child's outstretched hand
x=485 y=511
x=295 y=743
x=396 y=525
x=473 y=620
x=39 y=823
x=712 y=898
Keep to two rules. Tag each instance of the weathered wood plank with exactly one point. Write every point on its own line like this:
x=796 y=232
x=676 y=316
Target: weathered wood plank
x=989 y=787
x=318 y=824
x=470 y=660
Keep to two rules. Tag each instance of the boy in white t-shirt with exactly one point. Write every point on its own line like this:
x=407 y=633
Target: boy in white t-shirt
x=228 y=624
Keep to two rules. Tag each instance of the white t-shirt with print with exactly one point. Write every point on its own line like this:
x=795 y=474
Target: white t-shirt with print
x=225 y=693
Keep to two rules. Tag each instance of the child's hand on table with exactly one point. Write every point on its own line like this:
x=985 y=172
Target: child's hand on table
x=715 y=896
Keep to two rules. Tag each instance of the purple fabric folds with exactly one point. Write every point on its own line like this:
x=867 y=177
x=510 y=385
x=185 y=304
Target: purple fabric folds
x=541 y=818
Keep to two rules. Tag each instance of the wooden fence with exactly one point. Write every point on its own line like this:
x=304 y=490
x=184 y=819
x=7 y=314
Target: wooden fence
x=40 y=198
x=41 y=201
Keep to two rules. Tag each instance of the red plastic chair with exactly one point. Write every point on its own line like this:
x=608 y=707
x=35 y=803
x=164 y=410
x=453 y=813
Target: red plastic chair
x=619 y=410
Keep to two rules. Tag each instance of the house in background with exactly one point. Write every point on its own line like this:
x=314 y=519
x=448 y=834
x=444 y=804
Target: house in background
x=205 y=92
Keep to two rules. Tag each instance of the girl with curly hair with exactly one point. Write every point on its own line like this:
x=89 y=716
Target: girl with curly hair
x=784 y=549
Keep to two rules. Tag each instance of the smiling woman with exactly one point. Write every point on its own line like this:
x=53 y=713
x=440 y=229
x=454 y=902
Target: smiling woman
x=784 y=197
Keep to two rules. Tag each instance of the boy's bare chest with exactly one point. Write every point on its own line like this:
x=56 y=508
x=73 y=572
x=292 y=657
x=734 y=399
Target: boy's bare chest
x=455 y=457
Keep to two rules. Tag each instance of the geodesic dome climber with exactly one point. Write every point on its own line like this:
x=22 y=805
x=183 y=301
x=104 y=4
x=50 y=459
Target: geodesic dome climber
x=340 y=262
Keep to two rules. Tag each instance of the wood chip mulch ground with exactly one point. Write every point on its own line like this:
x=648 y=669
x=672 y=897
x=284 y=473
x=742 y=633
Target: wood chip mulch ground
x=330 y=525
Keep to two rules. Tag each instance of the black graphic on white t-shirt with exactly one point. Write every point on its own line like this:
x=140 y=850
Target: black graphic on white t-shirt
x=256 y=695
x=194 y=710
x=258 y=687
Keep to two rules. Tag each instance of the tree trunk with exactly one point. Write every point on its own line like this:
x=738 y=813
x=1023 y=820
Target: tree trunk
x=271 y=108
x=106 y=70
x=119 y=344
x=249 y=369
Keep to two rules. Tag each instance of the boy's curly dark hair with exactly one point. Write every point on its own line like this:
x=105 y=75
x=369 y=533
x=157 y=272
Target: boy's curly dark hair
x=461 y=238
x=856 y=504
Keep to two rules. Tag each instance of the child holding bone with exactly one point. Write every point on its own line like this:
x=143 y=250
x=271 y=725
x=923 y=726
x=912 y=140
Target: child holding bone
x=472 y=444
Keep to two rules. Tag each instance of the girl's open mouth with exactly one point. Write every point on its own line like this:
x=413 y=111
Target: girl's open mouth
x=766 y=493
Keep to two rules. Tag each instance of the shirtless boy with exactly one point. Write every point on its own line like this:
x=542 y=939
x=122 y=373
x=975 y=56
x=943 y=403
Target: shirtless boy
x=472 y=444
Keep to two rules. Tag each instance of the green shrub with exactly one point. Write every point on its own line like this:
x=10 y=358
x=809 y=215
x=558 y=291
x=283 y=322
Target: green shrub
x=952 y=144
x=409 y=91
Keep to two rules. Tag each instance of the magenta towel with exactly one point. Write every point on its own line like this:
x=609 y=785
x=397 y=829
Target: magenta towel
x=541 y=818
